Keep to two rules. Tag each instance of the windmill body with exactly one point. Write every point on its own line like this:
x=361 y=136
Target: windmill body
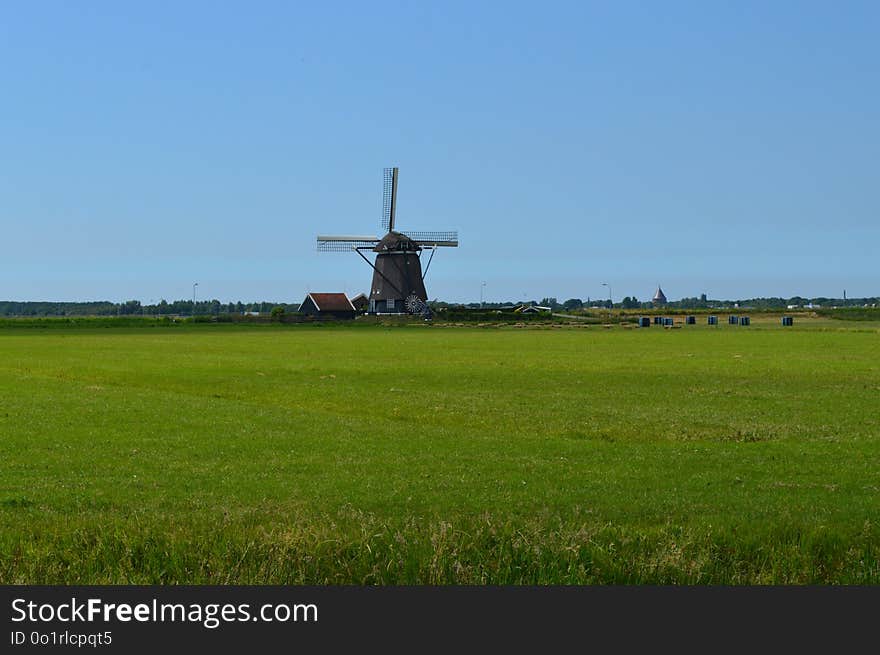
x=398 y=277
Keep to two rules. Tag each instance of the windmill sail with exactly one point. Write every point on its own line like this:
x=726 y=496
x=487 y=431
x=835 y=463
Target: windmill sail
x=389 y=199
x=448 y=238
x=344 y=243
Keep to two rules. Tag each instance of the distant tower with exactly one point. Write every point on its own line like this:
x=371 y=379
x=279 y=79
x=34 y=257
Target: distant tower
x=659 y=297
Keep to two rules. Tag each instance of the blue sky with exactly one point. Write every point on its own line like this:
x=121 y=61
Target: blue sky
x=719 y=147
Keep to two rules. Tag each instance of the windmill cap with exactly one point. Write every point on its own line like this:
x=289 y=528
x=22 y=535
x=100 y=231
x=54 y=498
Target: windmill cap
x=395 y=241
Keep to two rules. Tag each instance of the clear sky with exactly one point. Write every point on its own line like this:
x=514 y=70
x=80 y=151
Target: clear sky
x=720 y=147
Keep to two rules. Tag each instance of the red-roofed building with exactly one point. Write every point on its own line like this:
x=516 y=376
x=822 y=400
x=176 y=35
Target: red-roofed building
x=328 y=305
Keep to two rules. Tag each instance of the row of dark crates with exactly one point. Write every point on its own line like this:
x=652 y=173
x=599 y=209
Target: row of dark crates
x=666 y=321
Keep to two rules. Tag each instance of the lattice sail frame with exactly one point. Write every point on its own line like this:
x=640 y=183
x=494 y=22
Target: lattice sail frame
x=424 y=239
x=345 y=244
x=431 y=238
x=389 y=191
x=448 y=239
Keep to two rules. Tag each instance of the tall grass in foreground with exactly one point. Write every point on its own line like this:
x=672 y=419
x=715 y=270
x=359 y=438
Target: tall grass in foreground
x=357 y=548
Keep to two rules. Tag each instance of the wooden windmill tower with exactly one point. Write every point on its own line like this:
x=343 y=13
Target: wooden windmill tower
x=398 y=279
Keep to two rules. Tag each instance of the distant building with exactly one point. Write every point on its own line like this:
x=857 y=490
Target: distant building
x=533 y=309
x=361 y=302
x=328 y=305
x=659 y=297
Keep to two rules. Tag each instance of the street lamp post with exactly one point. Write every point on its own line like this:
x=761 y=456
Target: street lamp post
x=481 y=294
x=610 y=302
x=195 y=284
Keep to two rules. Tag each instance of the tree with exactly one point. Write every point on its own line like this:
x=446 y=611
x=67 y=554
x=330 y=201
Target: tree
x=130 y=307
x=573 y=303
x=278 y=313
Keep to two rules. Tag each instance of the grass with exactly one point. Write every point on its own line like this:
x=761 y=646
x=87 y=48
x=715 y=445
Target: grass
x=430 y=454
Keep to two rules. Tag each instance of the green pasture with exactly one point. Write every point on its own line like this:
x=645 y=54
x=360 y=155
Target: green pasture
x=438 y=454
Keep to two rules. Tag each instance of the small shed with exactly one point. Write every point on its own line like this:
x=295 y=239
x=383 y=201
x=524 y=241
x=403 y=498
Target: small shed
x=328 y=305
x=361 y=303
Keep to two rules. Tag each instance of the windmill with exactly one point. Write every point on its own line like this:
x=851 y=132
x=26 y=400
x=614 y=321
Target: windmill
x=398 y=280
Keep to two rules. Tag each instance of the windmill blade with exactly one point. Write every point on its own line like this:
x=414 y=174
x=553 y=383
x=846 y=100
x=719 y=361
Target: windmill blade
x=448 y=238
x=389 y=199
x=345 y=243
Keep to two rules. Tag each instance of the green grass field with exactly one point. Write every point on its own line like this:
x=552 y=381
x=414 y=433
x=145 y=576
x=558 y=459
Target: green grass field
x=430 y=454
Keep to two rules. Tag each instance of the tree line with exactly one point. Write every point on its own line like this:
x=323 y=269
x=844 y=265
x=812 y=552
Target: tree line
x=215 y=307
x=136 y=308
x=696 y=302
